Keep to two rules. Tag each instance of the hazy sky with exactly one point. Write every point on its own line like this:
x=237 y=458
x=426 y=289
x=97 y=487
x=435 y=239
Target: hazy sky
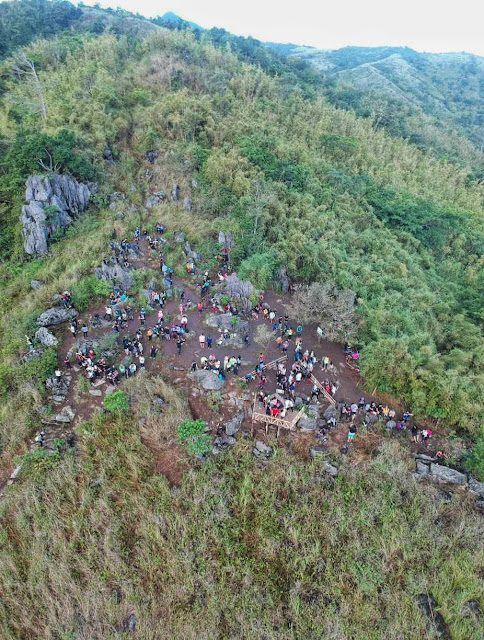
x=425 y=25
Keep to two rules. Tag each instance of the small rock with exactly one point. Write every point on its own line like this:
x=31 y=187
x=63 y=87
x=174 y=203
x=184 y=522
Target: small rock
x=179 y=236
x=116 y=195
x=36 y=284
x=263 y=448
x=331 y=469
x=216 y=451
x=132 y=623
x=152 y=155
x=95 y=392
x=234 y=424
x=175 y=193
x=429 y=607
x=109 y=390
x=66 y=415
x=476 y=487
x=187 y=205
x=316 y=451
x=472 y=608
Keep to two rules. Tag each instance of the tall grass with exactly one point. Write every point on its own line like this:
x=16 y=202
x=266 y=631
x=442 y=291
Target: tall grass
x=240 y=550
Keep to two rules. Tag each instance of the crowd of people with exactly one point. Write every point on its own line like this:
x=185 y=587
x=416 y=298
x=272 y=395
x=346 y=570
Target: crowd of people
x=299 y=367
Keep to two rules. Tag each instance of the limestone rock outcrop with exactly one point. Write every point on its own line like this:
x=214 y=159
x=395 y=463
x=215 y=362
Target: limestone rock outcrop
x=52 y=204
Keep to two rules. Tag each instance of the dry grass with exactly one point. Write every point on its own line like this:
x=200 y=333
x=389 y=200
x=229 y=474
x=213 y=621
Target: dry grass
x=240 y=550
x=158 y=422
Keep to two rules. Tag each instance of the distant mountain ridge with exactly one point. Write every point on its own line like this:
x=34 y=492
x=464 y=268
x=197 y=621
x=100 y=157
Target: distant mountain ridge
x=446 y=86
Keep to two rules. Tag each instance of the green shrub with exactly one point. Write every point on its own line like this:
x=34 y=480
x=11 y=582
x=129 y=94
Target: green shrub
x=475 y=460
x=258 y=269
x=192 y=433
x=88 y=288
x=116 y=402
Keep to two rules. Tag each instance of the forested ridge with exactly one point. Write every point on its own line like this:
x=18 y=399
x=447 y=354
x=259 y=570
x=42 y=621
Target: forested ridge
x=259 y=142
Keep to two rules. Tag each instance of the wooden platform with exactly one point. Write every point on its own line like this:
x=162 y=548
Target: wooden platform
x=279 y=423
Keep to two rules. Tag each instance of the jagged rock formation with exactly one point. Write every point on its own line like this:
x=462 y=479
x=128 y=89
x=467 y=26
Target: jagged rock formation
x=156 y=198
x=175 y=193
x=241 y=291
x=187 y=204
x=226 y=239
x=56 y=315
x=116 y=274
x=52 y=204
x=190 y=254
x=45 y=337
x=283 y=279
x=223 y=322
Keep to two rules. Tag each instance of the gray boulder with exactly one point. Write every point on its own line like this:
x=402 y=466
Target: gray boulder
x=45 y=337
x=58 y=387
x=152 y=155
x=330 y=412
x=422 y=468
x=36 y=284
x=208 y=380
x=241 y=291
x=32 y=354
x=330 y=469
x=476 y=487
x=262 y=450
x=436 y=622
x=155 y=198
x=108 y=154
x=190 y=254
x=223 y=321
x=187 y=205
x=313 y=410
x=445 y=474
x=66 y=415
x=116 y=274
x=175 y=193
x=56 y=315
x=179 y=236
x=308 y=424
x=283 y=279
x=226 y=239
x=116 y=195
x=234 y=424
x=317 y=451
x=52 y=204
